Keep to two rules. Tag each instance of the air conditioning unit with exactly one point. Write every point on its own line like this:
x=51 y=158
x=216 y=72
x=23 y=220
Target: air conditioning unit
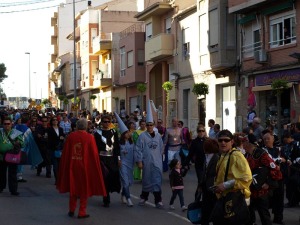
x=82 y=83
x=261 y=56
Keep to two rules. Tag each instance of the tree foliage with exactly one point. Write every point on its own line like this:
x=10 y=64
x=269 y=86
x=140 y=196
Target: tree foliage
x=2 y=72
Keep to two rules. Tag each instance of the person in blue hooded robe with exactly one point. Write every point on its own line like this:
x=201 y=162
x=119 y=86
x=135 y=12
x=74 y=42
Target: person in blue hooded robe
x=148 y=151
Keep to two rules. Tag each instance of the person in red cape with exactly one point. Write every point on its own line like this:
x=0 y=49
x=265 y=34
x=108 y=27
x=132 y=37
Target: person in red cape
x=80 y=172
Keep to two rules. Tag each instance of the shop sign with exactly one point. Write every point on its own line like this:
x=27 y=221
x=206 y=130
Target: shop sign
x=267 y=78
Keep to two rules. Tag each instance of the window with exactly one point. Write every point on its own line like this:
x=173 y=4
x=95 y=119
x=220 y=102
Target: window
x=94 y=68
x=203 y=28
x=186 y=43
x=282 y=29
x=168 y=25
x=213 y=28
x=123 y=60
x=148 y=31
x=130 y=59
x=141 y=57
x=93 y=34
x=251 y=39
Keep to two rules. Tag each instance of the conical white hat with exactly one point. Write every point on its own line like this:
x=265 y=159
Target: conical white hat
x=149 y=117
x=122 y=126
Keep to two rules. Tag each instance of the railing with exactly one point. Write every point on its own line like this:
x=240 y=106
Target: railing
x=284 y=41
x=132 y=29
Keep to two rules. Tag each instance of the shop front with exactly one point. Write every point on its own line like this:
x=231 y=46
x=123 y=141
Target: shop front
x=267 y=102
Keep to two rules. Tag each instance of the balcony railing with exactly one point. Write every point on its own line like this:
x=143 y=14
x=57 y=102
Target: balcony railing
x=248 y=50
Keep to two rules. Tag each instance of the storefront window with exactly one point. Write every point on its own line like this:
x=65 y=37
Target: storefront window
x=271 y=108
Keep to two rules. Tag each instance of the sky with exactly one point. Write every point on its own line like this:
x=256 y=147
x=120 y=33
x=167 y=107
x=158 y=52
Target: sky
x=24 y=31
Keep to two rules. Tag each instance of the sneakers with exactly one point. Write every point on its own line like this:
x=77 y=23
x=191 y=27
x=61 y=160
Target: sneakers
x=172 y=207
x=123 y=199
x=184 y=208
x=142 y=202
x=159 y=205
x=129 y=202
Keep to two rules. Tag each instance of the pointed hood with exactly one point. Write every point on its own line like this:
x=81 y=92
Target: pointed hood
x=149 y=117
x=122 y=126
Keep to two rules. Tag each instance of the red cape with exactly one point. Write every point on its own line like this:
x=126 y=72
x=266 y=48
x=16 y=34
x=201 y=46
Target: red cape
x=79 y=170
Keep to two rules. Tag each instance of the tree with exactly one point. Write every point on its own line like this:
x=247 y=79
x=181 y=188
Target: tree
x=2 y=72
x=141 y=88
x=167 y=86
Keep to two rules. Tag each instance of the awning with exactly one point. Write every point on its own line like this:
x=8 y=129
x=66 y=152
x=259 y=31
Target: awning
x=268 y=87
x=247 y=19
x=278 y=8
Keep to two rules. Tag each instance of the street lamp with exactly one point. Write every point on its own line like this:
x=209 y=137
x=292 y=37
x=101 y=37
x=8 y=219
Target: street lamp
x=28 y=53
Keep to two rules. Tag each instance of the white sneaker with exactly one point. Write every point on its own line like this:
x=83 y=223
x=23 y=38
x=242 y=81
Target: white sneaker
x=183 y=208
x=172 y=207
x=129 y=202
x=142 y=202
x=123 y=199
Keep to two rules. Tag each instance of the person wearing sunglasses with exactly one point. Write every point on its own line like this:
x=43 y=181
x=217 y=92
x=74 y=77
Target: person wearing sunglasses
x=109 y=150
x=196 y=153
x=239 y=176
x=148 y=151
x=7 y=136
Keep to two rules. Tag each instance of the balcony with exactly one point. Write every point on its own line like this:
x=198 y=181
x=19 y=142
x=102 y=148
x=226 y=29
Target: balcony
x=101 y=82
x=102 y=43
x=102 y=78
x=159 y=46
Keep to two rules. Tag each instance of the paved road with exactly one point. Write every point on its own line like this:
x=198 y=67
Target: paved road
x=40 y=204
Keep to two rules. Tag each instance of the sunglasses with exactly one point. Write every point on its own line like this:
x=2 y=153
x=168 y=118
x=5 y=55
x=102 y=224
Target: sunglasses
x=106 y=122
x=226 y=140
x=149 y=125
x=6 y=123
x=200 y=130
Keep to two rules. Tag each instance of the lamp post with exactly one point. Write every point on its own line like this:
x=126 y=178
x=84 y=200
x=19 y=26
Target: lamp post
x=28 y=53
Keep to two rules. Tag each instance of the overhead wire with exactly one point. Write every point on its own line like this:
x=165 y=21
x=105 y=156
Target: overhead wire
x=40 y=8
x=12 y=4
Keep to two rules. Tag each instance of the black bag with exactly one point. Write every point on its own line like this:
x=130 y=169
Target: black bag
x=194 y=212
x=231 y=208
x=260 y=176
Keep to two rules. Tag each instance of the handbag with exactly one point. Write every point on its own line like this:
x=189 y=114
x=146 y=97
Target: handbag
x=57 y=153
x=231 y=208
x=14 y=157
x=194 y=212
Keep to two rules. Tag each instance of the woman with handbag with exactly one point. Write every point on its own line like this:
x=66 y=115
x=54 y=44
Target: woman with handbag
x=232 y=184
x=8 y=138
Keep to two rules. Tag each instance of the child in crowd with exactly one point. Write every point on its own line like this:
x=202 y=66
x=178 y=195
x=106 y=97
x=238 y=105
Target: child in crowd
x=126 y=169
x=176 y=183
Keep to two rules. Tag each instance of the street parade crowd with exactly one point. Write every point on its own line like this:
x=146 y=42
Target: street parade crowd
x=95 y=153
